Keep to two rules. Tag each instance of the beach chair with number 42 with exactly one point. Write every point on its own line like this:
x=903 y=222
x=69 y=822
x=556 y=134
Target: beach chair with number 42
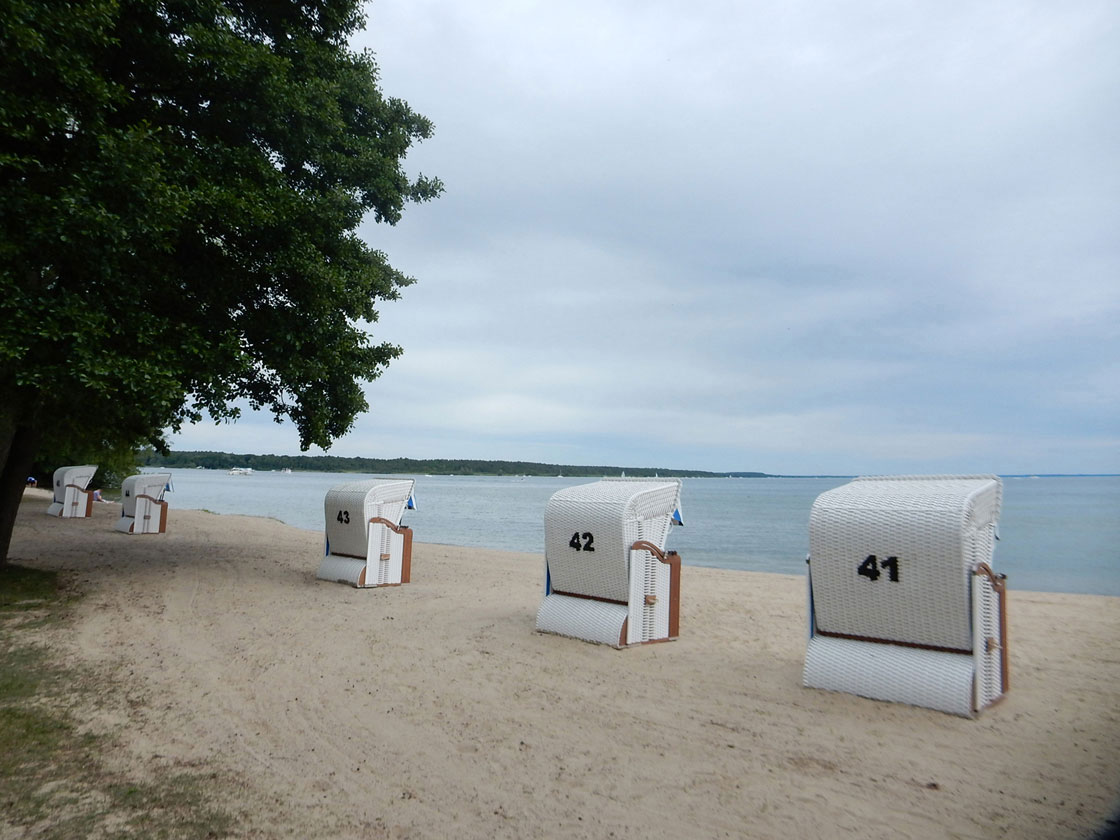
x=143 y=510
x=903 y=603
x=366 y=544
x=71 y=498
x=608 y=578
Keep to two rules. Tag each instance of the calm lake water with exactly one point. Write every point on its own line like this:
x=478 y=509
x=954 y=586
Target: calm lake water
x=1057 y=534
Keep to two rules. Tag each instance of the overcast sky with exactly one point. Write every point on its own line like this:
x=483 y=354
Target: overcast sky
x=795 y=237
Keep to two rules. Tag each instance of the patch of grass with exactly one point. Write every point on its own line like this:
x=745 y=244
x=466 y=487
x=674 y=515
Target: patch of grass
x=22 y=671
x=23 y=588
x=43 y=762
x=32 y=731
x=178 y=800
x=54 y=782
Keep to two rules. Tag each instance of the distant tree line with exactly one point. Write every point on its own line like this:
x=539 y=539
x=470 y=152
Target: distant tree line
x=435 y=466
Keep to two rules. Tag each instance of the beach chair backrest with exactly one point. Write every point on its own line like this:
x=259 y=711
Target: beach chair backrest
x=349 y=507
x=892 y=558
x=590 y=529
x=79 y=476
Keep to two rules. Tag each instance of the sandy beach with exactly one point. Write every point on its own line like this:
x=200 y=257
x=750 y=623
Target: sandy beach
x=435 y=710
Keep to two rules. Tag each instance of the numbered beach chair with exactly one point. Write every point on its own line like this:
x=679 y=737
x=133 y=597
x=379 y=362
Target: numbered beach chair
x=143 y=510
x=71 y=499
x=366 y=543
x=903 y=603
x=608 y=578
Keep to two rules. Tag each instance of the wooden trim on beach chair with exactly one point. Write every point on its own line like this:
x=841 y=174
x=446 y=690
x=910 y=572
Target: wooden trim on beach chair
x=588 y=597
x=895 y=642
x=380 y=520
x=406 y=554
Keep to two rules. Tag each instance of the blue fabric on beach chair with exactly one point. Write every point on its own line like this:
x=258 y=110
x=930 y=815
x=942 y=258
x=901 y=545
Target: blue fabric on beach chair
x=903 y=603
x=366 y=545
x=71 y=498
x=608 y=578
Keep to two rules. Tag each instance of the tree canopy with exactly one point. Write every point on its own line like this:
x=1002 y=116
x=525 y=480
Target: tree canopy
x=181 y=182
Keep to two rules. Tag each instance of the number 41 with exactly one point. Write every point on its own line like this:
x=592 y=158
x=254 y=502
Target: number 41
x=870 y=567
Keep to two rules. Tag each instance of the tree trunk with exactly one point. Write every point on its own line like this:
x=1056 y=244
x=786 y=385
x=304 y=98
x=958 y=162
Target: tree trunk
x=17 y=449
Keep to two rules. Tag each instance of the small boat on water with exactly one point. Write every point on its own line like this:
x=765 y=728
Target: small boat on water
x=241 y=471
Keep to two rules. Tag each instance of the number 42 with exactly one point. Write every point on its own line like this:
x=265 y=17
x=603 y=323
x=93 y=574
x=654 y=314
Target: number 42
x=870 y=568
x=588 y=543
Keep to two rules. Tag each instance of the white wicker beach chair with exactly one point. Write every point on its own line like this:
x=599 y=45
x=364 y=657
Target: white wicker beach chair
x=903 y=603
x=366 y=544
x=71 y=499
x=608 y=578
x=143 y=510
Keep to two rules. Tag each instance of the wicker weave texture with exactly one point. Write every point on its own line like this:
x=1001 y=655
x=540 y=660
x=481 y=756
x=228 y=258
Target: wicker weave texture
x=919 y=677
x=385 y=554
x=649 y=598
x=349 y=507
x=582 y=618
x=615 y=514
x=931 y=530
x=988 y=646
x=341 y=569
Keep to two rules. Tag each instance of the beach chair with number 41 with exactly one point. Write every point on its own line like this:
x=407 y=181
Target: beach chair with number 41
x=366 y=544
x=903 y=603
x=71 y=498
x=608 y=578
x=143 y=510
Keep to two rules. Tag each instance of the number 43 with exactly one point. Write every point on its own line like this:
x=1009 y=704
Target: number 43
x=870 y=568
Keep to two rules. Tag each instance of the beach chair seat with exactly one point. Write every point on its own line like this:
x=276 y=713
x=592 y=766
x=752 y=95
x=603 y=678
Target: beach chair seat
x=143 y=510
x=903 y=602
x=608 y=578
x=71 y=498
x=366 y=545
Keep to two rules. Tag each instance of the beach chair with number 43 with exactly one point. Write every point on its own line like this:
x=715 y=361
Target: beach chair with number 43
x=903 y=603
x=608 y=578
x=366 y=544
x=71 y=498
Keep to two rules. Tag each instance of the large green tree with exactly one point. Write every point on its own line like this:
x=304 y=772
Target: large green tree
x=180 y=186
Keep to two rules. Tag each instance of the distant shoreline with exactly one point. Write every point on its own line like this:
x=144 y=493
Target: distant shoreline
x=414 y=466
x=192 y=459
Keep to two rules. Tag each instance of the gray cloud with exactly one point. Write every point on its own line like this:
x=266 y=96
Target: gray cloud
x=870 y=238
